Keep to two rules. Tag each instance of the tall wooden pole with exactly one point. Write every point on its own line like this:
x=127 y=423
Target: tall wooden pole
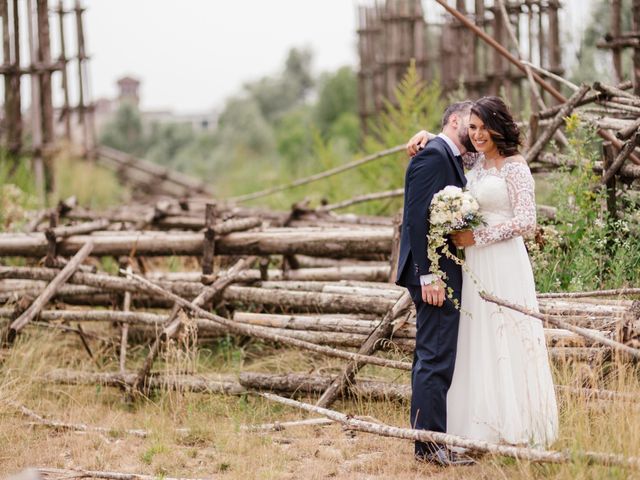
x=541 y=42
x=44 y=59
x=36 y=124
x=15 y=83
x=11 y=52
x=66 y=111
x=555 y=52
x=46 y=99
x=82 y=117
x=6 y=57
x=636 y=50
x=616 y=52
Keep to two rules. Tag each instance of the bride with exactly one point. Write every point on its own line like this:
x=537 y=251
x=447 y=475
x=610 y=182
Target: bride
x=502 y=389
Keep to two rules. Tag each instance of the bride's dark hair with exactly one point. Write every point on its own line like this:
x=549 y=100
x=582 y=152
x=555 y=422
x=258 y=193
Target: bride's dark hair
x=498 y=120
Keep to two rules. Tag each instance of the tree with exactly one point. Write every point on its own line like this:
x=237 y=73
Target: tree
x=125 y=131
x=243 y=123
x=277 y=94
x=337 y=95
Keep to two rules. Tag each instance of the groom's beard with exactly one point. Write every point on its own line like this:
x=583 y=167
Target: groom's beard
x=465 y=141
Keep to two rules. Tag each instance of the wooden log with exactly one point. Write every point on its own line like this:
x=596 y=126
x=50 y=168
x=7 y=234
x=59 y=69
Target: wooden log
x=627 y=171
x=72 y=294
x=124 y=333
x=369 y=346
x=551 y=303
x=520 y=453
x=331 y=243
x=618 y=292
x=619 y=108
x=188 y=184
x=174 y=321
x=322 y=330
x=568 y=107
x=596 y=337
x=302 y=383
x=254 y=332
x=221 y=228
x=631 y=102
x=318 y=176
x=613 y=91
x=318 y=323
x=293 y=300
x=626 y=132
x=280 y=426
x=291 y=383
x=356 y=272
x=618 y=43
x=209 y=384
x=88 y=227
x=52 y=240
x=395 y=248
x=398 y=192
x=48 y=292
x=320 y=302
x=628 y=148
x=339 y=339
x=362 y=291
x=307 y=261
x=209 y=240
x=82 y=473
x=78 y=427
x=345 y=287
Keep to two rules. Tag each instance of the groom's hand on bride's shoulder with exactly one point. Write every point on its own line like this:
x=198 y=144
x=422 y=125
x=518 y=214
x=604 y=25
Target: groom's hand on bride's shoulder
x=418 y=142
x=433 y=294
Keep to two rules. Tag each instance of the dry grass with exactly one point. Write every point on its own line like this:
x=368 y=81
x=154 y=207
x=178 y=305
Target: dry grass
x=217 y=447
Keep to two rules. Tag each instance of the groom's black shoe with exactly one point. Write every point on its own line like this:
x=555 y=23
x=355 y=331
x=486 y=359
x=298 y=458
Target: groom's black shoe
x=443 y=457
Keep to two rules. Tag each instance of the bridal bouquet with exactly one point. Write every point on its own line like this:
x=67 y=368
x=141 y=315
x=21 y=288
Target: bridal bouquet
x=452 y=209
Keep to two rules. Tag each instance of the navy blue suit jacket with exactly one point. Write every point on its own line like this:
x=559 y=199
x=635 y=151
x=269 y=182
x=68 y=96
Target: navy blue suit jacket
x=428 y=172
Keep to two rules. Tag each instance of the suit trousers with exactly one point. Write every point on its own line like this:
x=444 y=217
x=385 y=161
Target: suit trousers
x=433 y=363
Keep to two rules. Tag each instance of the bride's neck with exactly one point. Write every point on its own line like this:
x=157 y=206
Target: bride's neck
x=493 y=160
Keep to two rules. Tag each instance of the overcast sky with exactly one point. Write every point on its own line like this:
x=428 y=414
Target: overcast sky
x=192 y=54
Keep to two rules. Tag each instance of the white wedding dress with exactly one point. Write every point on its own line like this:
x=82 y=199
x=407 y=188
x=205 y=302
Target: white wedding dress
x=502 y=389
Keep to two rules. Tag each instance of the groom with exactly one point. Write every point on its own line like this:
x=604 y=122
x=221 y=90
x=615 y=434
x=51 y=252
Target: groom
x=430 y=170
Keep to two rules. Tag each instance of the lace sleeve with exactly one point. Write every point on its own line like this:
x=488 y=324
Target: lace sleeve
x=520 y=186
x=470 y=159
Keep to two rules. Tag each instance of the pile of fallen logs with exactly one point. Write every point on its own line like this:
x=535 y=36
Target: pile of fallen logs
x=326 y=284
x=305 y=279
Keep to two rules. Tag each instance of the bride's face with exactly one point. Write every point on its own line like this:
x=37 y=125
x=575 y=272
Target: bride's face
x=480 y=136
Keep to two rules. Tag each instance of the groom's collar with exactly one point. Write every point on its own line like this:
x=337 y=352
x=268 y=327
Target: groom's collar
x=454 y=149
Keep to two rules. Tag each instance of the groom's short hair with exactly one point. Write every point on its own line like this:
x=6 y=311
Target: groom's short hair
x=458 y=107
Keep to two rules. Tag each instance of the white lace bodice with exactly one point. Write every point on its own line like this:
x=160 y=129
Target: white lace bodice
x=506 y=198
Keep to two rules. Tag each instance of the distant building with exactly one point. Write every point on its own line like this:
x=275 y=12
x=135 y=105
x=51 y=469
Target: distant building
x=129 y=92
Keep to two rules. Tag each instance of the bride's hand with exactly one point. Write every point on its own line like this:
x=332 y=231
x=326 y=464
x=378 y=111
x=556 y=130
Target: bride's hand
x=463 y=238
x=418 y=142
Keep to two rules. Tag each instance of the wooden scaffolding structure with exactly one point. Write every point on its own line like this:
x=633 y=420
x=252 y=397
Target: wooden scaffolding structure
x=394 y=32
x=42 y=67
